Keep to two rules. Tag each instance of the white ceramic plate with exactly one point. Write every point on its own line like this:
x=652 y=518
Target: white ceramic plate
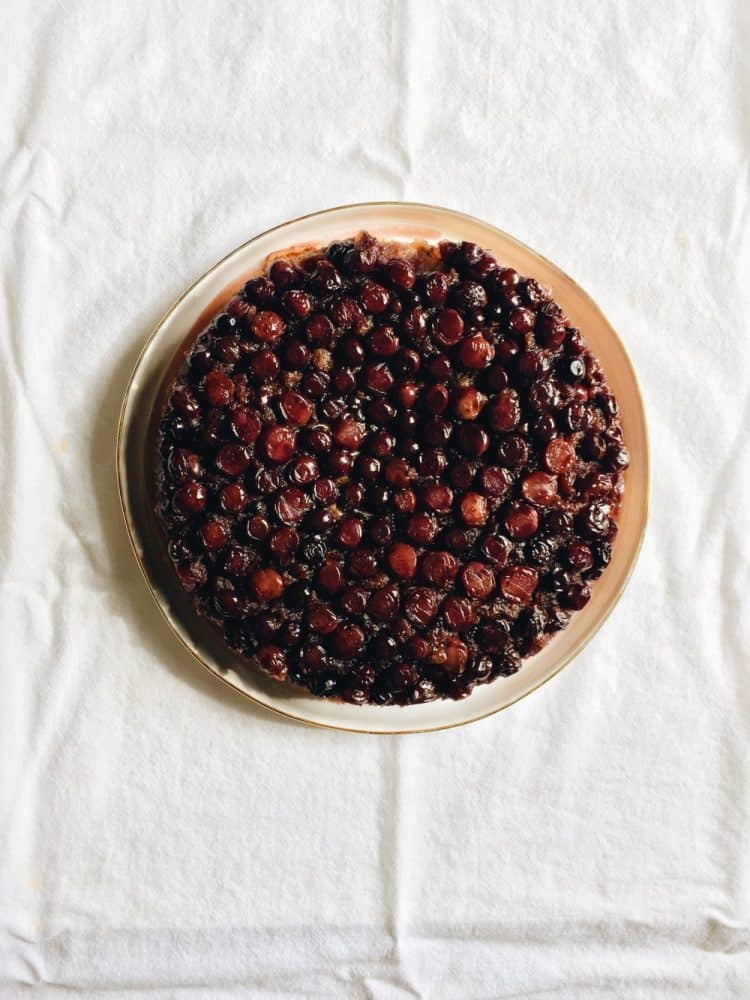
x=393 y=221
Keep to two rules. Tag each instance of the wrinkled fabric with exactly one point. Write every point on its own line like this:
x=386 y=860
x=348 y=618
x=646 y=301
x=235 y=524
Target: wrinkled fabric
x=158 y=835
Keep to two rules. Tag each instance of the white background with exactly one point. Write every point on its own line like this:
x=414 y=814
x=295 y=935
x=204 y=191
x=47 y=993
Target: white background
x=160 y=837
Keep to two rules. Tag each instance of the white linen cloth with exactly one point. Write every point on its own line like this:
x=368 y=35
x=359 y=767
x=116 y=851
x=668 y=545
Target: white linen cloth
x=159 y=836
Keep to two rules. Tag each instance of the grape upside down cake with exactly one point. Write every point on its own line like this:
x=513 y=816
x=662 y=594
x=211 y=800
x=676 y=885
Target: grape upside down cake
x=390 y=472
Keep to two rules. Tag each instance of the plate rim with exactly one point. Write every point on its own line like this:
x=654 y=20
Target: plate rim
x=120 y=465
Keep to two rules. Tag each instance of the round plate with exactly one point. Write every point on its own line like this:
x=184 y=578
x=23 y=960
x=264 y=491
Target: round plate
x=392 y=221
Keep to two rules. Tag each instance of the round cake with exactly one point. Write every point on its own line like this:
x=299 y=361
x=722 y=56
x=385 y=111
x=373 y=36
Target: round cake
x=389 y=472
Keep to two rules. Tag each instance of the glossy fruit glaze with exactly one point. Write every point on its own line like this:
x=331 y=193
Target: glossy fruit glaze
x=390 y=472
